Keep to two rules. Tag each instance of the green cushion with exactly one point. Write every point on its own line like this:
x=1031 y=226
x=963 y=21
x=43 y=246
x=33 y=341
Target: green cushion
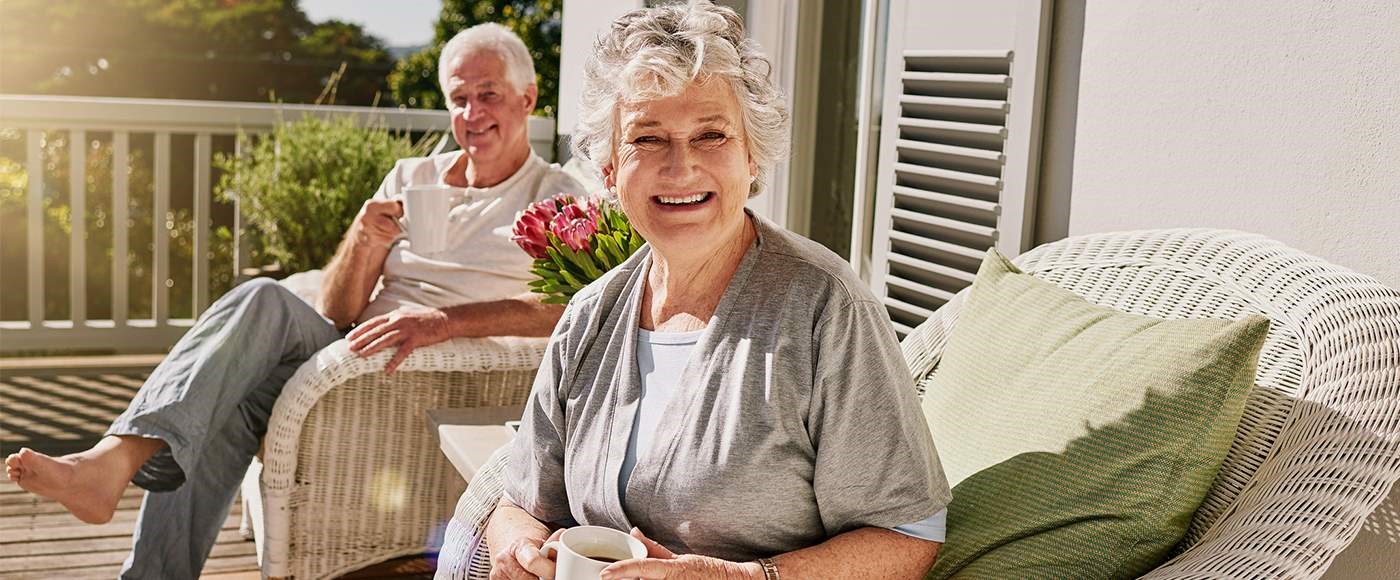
x=1079 y=439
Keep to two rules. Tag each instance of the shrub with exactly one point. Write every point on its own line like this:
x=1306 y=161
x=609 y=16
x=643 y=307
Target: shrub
x=301 y=185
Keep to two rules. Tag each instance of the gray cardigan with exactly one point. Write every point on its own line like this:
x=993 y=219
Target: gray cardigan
x=798 y=419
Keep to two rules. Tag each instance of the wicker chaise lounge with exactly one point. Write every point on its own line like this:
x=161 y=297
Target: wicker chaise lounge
x=1318 y=448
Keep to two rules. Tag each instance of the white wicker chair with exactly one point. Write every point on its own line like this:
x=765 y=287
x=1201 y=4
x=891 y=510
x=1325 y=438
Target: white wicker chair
x=1319 y=446
x=351 y=475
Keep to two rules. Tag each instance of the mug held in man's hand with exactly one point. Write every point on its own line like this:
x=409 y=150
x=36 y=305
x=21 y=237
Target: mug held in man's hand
x=426 y=212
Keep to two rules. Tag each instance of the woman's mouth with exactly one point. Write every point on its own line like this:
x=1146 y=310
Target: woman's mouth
x=683 y=201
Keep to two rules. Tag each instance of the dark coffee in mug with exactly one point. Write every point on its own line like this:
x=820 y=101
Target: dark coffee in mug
x=608 y=558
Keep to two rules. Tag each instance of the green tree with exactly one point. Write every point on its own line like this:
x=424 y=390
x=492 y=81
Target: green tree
x=537 y=22
x=241 y=50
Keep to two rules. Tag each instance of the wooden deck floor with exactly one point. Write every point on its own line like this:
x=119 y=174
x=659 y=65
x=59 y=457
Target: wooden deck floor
x=60 y=410
x=39 y=539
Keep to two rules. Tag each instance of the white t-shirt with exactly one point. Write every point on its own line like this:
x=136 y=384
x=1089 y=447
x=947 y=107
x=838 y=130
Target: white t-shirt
x=661 y=358
x=480 y=262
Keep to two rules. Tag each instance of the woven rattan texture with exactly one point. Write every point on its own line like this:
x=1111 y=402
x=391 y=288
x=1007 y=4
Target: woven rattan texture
x=351 y=474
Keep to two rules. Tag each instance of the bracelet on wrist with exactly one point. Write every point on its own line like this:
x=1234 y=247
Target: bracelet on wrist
x=770 y=570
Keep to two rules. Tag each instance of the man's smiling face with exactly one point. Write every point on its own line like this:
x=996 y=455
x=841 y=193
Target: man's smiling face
x=489 y=114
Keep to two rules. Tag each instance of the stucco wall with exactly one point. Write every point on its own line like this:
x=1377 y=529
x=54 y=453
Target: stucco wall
x=1281 y=118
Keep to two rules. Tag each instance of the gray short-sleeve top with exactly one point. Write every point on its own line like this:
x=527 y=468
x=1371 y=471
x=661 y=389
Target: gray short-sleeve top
x=796 y=418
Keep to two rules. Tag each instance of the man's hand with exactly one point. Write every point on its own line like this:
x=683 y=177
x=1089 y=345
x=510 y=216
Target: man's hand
x=377 y=223
x=405 y=328
x=522 y=560
x=662 y=564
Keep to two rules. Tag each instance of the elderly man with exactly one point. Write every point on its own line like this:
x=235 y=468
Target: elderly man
x=192 y=429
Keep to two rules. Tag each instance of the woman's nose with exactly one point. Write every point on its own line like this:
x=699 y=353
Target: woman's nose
x=680 y=161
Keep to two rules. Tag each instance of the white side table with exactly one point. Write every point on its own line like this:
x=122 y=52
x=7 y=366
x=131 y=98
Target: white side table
x=469 y=436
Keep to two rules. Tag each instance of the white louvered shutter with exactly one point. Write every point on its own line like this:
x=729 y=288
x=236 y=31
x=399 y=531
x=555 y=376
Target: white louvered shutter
x=959 y=144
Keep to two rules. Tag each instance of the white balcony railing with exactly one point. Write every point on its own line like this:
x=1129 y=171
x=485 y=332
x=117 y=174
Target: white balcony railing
x=37 y=116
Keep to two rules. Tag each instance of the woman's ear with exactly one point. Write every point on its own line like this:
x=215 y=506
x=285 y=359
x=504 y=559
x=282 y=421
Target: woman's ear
x=609 y=177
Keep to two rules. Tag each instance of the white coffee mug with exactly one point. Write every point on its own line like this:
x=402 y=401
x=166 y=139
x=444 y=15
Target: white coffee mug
x=425 y=210
x=583 y=551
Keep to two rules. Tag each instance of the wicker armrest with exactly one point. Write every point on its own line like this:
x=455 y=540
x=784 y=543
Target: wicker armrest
x=465 y=553
x=335 y=364
x=298 y=427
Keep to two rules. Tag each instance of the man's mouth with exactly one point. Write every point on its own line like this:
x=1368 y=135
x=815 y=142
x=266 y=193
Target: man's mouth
x=684 y=199
x=471 y=133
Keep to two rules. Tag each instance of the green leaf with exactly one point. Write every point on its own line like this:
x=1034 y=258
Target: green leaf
x=582 y=260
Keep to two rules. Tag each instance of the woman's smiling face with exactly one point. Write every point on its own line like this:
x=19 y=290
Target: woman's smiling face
x=681 y=166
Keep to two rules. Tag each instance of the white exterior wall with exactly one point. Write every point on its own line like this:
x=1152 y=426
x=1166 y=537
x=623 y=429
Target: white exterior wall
x=1281 y=118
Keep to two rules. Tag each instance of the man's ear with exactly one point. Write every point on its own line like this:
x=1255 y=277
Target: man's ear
x=532 y=95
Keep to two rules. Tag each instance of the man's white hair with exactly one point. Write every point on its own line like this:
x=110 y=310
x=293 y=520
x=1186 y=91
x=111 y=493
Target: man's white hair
x=656 y=52
x=520 y=68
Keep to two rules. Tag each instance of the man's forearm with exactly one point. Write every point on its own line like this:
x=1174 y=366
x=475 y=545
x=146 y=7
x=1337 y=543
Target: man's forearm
x=523 y=315
x=349 y=281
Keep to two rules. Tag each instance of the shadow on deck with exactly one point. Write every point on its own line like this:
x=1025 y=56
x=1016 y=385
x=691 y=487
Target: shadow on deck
x=62 y=406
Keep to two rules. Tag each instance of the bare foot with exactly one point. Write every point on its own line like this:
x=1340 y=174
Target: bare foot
x=79 y=481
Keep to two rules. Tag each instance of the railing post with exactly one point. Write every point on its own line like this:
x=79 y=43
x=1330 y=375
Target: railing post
x=77 y=226
x=35 y=229
x=160 y=262
x=240 y=242
x=121 y=179
x=201 y=223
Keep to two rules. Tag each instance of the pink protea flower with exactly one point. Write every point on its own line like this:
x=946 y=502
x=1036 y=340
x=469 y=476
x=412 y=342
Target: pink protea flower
x=574 y=227
x=530 y=228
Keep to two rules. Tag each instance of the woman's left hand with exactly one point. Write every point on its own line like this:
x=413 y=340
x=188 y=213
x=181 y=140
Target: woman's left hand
x=661 y=563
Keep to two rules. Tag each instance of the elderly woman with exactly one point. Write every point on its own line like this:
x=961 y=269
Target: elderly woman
x=732 y=394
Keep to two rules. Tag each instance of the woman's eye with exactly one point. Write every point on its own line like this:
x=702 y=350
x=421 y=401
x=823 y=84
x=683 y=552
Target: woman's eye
x=646 y=139
x=711 y=139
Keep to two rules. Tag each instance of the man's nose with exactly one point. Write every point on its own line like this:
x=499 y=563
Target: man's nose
x=472 y=112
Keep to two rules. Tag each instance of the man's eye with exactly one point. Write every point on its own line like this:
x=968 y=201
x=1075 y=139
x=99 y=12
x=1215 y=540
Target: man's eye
x=646 y=139
x=490 y=96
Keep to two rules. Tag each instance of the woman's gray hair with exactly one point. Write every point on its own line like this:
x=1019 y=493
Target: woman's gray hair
x=655 y=52
x=520 y=68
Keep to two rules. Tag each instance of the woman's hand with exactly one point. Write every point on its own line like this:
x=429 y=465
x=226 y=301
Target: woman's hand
x=405 y=328
x=522 y=560
x=661 y=563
